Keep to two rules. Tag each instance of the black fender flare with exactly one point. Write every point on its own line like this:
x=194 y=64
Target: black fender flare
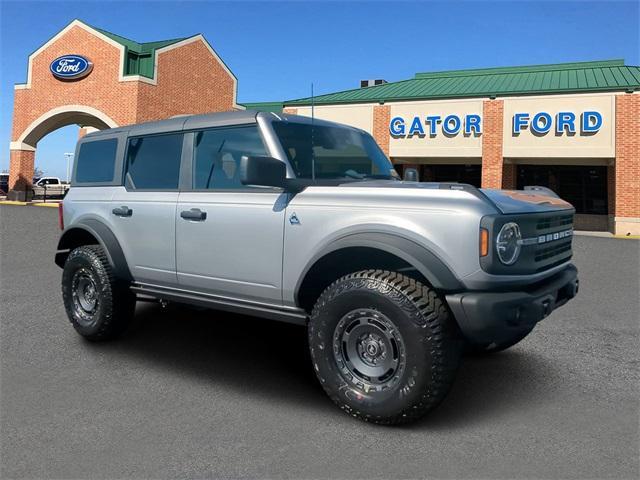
x=418 y=256
x=107 y=240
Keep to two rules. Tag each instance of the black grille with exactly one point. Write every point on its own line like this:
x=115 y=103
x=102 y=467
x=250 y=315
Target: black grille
x=555 y=221
x=552 y=251
x=540 y=251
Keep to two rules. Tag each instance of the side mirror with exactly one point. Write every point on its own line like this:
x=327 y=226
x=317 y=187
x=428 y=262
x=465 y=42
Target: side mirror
x=263 y=171
x=411 y=175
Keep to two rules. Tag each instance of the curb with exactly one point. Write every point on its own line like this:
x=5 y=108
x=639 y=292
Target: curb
x=50 y=205
x=587 y=233
x=29 y=204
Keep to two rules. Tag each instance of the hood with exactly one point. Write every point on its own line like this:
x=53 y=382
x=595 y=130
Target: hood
x=525 y=201
x=506 y=201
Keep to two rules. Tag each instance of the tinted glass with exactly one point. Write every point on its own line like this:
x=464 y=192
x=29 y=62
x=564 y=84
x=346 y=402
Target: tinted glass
x=154 y=162
x=584 y=187
x=217 y=154
x=96 y=161
x=470 y=174
x=332 y=152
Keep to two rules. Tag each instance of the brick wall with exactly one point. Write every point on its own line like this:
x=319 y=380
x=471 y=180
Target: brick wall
x=611 y=189
x=21 y=169
x=206 y=86
x=99 y=89
x=509 y=178
x=381 y=118
x=492 y=118
x=290 y=111
x=627 y=168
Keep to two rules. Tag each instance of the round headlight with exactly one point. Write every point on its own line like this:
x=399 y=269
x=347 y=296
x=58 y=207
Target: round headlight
x=508 y=243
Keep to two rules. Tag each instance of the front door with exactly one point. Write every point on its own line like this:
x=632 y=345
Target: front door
x=229 y=237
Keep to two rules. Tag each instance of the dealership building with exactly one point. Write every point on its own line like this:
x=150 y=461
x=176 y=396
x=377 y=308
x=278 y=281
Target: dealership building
x=573 y=127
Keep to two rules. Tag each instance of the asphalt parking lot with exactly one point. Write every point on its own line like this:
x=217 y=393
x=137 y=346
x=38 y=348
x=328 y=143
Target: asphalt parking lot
x=197 y=394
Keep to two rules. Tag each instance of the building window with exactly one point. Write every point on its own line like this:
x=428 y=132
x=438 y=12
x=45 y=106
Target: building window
x=96 y=161
x=153 y=163
x=584 y=187
x=471 y=174
x=217 y=154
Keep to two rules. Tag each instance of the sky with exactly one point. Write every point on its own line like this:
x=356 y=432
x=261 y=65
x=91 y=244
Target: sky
x=277 y=49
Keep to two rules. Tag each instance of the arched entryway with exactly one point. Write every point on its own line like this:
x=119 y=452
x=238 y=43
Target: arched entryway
x=23 y=150
x=127 y=82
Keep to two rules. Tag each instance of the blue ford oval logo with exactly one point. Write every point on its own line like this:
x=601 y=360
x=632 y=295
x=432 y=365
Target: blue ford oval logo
x=70 y=67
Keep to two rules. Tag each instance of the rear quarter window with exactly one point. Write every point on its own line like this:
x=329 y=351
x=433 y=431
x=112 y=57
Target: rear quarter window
x=96 y=161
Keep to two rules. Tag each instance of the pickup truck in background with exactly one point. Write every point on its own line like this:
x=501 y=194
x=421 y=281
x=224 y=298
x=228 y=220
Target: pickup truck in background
x=49 y=186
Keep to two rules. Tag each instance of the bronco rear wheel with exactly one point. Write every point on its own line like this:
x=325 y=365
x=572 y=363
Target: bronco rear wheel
x=383 y=346
x=98 y=305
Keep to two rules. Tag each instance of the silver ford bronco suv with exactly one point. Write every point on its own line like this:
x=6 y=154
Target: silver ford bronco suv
x=289 y=218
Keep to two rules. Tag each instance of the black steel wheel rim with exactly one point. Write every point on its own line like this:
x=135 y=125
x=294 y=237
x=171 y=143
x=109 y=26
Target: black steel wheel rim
x=85 y=297
x=369 y=350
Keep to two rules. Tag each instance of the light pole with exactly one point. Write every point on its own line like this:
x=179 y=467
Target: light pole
x=68 y=156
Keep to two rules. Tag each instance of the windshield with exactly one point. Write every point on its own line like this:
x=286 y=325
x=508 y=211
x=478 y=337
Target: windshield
x=320 y=151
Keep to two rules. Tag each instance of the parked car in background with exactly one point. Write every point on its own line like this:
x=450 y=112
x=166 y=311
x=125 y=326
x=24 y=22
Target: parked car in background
x=4 y=183
x=49 y=186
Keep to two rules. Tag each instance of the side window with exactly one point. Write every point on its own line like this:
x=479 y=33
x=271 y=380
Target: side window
x=217 y=154
x=154 y=162
x=96 y=161
x=53 y=181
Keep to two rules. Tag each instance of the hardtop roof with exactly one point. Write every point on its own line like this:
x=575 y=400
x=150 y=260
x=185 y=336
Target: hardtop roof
x=208 y=120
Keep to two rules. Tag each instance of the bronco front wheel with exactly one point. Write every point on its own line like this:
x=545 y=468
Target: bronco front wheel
x=384 y=346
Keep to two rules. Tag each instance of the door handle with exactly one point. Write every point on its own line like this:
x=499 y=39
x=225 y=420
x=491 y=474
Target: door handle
x=194 y=214
x=123 y=211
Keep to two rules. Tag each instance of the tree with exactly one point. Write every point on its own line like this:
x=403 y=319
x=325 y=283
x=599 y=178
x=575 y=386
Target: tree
x=38 y=172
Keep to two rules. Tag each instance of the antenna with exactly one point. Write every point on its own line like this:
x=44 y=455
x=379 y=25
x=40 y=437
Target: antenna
x=313 y=155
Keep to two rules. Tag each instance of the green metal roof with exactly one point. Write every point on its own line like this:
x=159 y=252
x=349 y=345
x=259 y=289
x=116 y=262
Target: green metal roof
x=275 y=107
x=577 y=77
x=140 y=57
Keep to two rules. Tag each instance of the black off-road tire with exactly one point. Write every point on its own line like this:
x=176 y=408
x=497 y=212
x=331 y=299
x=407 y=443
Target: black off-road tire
x=88 y=281
x=419 y=341
x=496 y=347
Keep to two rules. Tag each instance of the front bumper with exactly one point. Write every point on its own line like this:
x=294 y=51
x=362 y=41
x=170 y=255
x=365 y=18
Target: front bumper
x=495 y=317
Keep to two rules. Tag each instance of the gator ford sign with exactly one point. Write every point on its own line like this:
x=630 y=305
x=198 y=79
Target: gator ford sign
x=539 y=123
x=542 y=123
x=559 y=126
x=433 y=125
x=71 y=67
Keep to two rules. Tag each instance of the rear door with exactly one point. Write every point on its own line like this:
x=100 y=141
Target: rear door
x=144 y=209
x=229 y=237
